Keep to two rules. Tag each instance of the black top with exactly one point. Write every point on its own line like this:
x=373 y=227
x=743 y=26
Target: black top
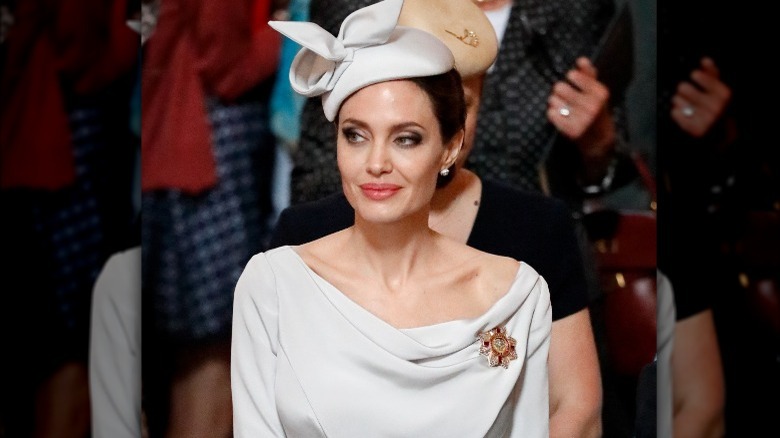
x=696 y=199
x=531 y=228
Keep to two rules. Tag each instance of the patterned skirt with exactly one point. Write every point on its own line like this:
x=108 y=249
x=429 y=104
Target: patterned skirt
x=196 y=246
x=56 y=242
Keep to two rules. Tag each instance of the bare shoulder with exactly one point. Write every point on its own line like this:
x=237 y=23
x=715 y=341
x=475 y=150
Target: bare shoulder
x=320 y=252
x=498 y=274
x=501 y=269
x=491 y=274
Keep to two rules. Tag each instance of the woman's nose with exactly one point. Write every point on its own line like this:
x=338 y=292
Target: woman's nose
x=378 y=161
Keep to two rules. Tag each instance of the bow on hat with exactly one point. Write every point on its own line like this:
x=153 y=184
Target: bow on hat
x=323 y=59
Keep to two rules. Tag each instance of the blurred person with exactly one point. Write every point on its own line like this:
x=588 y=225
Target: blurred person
x=207 y=163
x=476 y=211
x=549 y=123
x=66 y=178
x=115 y=348
x=697 y=378
x=708 y=121
x=690 y=389
x=542 y=71
x=115 y=317
x=408 y=303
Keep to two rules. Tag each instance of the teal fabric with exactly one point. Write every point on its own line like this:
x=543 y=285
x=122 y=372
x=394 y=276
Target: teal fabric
x=135 y=104
x=286 y=105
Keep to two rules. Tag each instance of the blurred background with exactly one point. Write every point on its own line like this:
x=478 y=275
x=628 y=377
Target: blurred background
x=70 y=147
x=216 y=135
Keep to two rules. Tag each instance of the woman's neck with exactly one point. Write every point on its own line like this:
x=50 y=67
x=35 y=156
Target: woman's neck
x=393 y=235
x=454 y=207
x=392 y=251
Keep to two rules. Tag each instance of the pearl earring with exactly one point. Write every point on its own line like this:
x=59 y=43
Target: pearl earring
x=444 y=172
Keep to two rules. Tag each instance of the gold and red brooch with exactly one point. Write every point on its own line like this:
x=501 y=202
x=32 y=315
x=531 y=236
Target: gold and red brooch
x=498 y=347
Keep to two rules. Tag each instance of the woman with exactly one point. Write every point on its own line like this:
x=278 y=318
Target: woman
x=701 y=130
x=66 y=172
x=388 y=320
x=685 y=395
x=207 y=155
x=495 y=218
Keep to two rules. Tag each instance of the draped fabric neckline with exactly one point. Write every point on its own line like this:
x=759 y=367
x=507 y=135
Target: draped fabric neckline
x=424 y=342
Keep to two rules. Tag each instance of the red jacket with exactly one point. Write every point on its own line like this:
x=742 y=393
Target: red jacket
x=85 y=42
x=199 y=48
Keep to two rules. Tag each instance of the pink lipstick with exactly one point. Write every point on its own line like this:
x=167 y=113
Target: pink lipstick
x=378 y=191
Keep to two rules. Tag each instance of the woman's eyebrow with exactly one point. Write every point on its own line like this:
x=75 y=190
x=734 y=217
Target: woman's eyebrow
x=395 y=127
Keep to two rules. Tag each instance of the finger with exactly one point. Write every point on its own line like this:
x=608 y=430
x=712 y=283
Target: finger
x=684 y=114
x=570 y=121
x=566 y=92
x=562 y=124
x=559 y=106
x=586 y=66
x=592 y=96
x=588 y=104
x=691 y=93
x=695 y=125
x=585 y=81
x=679 y=102
x=682 y=120
x=709 y=66
x=716 y=92
x=695 y=120
x=711 y=95
x=558 y=110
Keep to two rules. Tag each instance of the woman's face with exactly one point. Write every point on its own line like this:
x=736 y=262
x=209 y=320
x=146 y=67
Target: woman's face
x=390 y=151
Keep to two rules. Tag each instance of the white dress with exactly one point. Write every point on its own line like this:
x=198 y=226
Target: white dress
x=307 y=361
x=667 y=318
x=115 y=347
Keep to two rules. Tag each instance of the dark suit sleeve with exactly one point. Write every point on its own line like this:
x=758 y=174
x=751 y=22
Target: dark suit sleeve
x=302 y=223
x=284 y=230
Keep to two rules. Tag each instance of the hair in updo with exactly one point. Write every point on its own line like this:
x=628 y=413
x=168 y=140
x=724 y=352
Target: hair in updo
x=449 y=104
x=449 y=107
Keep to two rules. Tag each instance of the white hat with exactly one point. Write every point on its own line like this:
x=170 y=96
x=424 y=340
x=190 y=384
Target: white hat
x=369 y=49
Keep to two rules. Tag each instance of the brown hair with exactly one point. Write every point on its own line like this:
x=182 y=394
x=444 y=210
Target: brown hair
x=449 y=105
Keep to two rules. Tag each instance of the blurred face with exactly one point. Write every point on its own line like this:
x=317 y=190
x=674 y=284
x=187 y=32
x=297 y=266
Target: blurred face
x=390 y=151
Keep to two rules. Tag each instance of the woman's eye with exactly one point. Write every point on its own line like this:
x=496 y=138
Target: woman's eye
x=352 y=136
x=408 y=140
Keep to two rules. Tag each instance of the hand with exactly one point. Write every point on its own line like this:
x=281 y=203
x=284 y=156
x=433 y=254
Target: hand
x=699 y=104
x=579 y=110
